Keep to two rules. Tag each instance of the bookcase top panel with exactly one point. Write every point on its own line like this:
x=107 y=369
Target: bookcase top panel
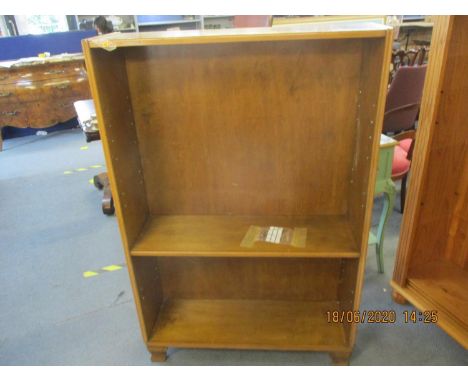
x=275 y=33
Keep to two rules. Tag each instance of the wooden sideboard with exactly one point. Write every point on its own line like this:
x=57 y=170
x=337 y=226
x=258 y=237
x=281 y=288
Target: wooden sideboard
x=40 y=93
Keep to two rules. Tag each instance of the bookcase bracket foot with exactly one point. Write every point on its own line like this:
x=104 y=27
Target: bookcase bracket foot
x=340 y=358
x=158 y=355
x=398 y=298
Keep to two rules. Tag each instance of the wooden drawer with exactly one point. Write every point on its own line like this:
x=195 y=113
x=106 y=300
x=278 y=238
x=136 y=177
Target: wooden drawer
x=13 y=115
x=42 y=72
x=45 y=114
x=18 y=75
x=8 y=94
x=57 y=88
x=59 y=71
x=10 y=76
x=76 y=87
x=37 y=114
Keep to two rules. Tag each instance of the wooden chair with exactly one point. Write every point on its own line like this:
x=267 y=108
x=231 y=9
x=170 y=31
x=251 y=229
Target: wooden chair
x=401 y=112
x=402 y=161
x=411 y=57
x=403 y=99
x=421 y=56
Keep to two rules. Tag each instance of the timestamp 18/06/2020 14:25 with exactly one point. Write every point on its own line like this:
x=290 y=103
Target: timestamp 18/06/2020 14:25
x=381 y=316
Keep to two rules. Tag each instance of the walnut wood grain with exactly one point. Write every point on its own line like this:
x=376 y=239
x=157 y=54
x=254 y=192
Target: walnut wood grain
x=41 y=95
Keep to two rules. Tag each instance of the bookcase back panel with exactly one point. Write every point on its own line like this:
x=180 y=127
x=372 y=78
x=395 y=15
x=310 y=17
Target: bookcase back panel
x=260 y=128
x=250 y=278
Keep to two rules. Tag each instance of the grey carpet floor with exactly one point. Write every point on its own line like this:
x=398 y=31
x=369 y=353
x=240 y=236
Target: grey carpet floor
x=52 y=230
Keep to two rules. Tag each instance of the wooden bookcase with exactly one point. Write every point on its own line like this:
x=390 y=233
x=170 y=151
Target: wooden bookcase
x=431 y=270
x=208 y=134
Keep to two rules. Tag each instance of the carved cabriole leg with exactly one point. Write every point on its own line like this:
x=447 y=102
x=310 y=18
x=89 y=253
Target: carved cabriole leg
x=398 y=298
x=107 y=201
x=158 y=354
x=389 y=192
x=101 y=181
x=340 y=358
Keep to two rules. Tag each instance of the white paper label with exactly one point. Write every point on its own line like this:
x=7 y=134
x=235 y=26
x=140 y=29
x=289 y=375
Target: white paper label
x=274 y=235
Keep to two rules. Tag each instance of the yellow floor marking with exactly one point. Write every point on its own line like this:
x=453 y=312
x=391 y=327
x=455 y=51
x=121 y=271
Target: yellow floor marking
x=91 y=181
x=69 y=172
x=108 y=268
x=112 y=268
x=89 y=274
x=84 y=148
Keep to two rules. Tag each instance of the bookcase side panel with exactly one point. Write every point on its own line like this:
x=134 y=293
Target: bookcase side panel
x=442 y=220
x=150 y=290
x=347 y=291
x=431 y=98
x=368 y=125
x=109 y=87
x=376 y=55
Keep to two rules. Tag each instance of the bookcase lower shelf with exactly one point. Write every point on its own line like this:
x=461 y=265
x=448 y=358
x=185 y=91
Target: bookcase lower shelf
x=221 y=235
x=440 y=286
x=248 y=324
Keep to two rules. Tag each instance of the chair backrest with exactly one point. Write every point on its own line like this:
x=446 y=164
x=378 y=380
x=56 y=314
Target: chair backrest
x=420 y=57
x=404 y=98
x=408 y=58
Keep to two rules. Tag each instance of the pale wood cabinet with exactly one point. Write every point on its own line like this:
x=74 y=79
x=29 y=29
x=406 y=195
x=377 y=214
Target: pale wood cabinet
x=242 y=164
x=431 y=269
